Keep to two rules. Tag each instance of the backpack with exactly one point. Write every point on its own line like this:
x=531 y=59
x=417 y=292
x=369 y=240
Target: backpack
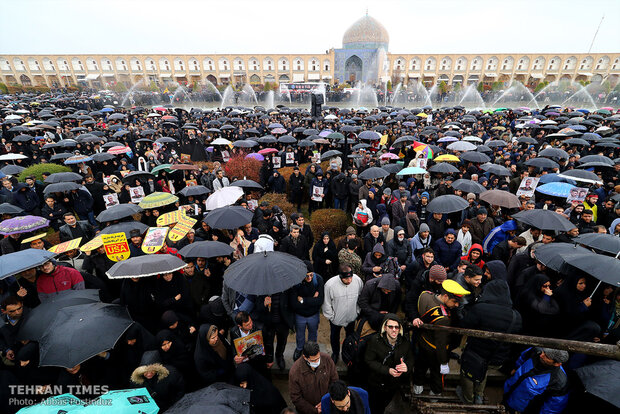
x=354 y=345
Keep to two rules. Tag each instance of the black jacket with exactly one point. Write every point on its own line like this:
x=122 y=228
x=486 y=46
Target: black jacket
x=492 y=312
x=210 y=366
x=299 y=250
x=312 y=305
x=166 y=387
x=418 y=285
x=372 y=300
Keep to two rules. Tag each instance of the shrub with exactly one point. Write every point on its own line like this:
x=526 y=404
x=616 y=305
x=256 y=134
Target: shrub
x=287 y=171
x=39 y=169
x=281 y=201
x=239 y=166
x=335 y=221
x=3 y=88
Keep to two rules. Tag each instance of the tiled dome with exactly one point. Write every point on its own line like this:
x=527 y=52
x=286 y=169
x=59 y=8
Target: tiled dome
x=366 y=30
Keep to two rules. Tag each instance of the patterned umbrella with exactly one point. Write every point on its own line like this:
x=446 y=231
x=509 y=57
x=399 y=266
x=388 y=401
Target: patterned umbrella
x=77 y=159
x=23 y=224
x=556 y=189
x=162 y=167
x=158 y=199
x=423 y=148
x=119 y=150
x=256 y=156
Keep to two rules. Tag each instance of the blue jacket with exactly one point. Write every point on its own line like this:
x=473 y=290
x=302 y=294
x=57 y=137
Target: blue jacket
x=498 y=235
x=448 y=255
x=326 y=405
x=27 y=199
x=319 y=183
x=536 y=387
x=82 y=202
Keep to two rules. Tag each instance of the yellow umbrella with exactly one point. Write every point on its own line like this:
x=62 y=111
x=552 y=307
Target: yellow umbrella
x=447 y=158
x=422 y=115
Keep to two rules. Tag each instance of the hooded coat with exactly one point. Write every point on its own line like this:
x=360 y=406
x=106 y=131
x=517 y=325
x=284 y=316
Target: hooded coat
x=380 y=356
x=576 y=317
x=177 y=355
x=401 y=250
x=264 y=396
x=478 y=262
x=323 y=252
x=363 y=214
x=370 y=261
x=165 y=293
x=166 y=387
x=498 y=235
x=372 y=300
x=540 y=312
x=210 y=365
x=418 y=243
x=492 y=312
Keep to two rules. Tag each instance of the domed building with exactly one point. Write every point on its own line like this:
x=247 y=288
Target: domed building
x=363 y=56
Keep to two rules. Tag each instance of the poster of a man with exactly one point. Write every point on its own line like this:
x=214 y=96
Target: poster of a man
x=527 y=186
x=577 y=194
x=110 y=200
x=137 y=194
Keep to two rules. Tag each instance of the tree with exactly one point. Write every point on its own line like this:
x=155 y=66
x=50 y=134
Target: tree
x=443 y=86
x=389 y=85
x=456 y=87
x=480 y=87
x=540 y=86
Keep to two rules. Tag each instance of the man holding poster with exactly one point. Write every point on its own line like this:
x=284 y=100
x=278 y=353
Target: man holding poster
x=527 y=187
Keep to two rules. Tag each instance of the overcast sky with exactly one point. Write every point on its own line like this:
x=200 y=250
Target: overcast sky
x=293 y=26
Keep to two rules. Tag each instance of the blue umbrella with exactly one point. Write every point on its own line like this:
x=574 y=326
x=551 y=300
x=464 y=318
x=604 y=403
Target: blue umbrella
x=14 y=263
x=556 y=189
x=553 y=178
x=106 y=110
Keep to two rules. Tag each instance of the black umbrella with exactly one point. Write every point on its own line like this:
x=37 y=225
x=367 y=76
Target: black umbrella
x=136 y=175
x=229 y=217
x=554 y=255
x=496 y=169
x=61 y=187
x=217 y=398
x=102 y=156
x=581 y=175
x=7 y=208
x=553 y=152
x=80 y=332
x=604 y=268
x=444 y=168
x=206 y=249
x=12 y=169
x=373 y=173
x=125 y=227
x=40 y=318
x=391 y=168
x=601 y=379
x=544 y=220
x=63 y=156
x=265 y=273
x=247 y=184
x=501 y=198
x=541 y=163
x=194 y=190
x=468 y=186
x=63 y=177
x=607 y=243
x=144 y=266
x=118 y=212
x=595 y=158
x=330 y=154
x=447 y=204
x=473 y=156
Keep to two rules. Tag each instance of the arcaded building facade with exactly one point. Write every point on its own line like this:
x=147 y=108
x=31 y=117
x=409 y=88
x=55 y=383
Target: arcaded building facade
x=364 y=57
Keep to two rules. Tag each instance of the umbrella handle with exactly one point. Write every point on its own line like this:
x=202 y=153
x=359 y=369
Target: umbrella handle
x=594 y=291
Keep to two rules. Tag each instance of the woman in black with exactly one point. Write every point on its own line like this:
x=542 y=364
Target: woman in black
x=264 y=396
x=325 y=257
x=213 y=356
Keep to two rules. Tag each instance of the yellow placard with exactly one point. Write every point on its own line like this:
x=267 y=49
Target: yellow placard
x=65 y=246
x=383 y=140
x=116 y=246
x=154 y=239
x=169 y=218
x=93 y=244
x=180 y=230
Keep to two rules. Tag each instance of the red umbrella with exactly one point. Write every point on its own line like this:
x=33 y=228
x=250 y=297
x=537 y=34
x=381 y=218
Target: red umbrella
x=184 y=167
x=267 y=151
x=119 y=150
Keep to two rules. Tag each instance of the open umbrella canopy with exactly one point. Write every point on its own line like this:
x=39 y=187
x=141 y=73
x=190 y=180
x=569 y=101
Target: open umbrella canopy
x=373 y=173
x=14 y=263
x=80 y=332
x=12 y=169
x=411 y=171
x=22 y=224
x=247 y=184
x=229 y=217
x=604 y=268
x=223 y=197
x=496 y=169
x=443 y=168
x=118 y=212
x=161 y=167
x=265 y=273
x=206 y=249
x=461 y=146
x=39 y=319
x=476 y=157
x=447 y=204
x=601 y=379
x=468 y=186
x=556 y=189
x=62 y=177
x=125 y=227
x=137 y=175
x=607 y=243
x=541 y=163
x=582 y=176
x=7 y=208
x=217 y=398
x=194 y=190
x=158 y=199
x=544 y=220
x=144 y=266
x=554 y=255
x=77 y=159
x=61 y=187
x=501 y=198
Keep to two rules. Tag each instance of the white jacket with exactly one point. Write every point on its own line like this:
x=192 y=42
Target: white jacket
x=340 y=304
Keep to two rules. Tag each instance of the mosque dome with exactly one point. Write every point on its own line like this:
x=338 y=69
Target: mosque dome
x=366 y=33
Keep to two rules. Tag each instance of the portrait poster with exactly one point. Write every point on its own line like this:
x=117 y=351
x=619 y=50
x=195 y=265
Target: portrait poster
x=527 y=186
x=317 y=193
x=154 y=239
x=136 y=193
x=290 y=158
x=110 y=200
x=276 y=161
x=186 y=158
x=577 y=194
x=251 y=344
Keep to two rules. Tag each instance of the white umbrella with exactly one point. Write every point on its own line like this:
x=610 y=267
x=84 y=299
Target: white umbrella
x=224 y=197
x=461 y=146
x=10 y=157
x=13 y=117
x=471 y=138
x=221 y=141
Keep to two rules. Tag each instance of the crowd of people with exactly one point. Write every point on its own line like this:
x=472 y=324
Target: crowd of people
x=399 y=266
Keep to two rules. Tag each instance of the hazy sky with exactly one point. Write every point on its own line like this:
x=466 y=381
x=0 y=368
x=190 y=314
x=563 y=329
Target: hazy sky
x=293 y=26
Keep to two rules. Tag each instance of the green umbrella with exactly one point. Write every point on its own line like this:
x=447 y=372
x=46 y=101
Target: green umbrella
x=65 y=403
x=335 y=135
x=158 y=199
x=132 y=401
x=164 y=167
